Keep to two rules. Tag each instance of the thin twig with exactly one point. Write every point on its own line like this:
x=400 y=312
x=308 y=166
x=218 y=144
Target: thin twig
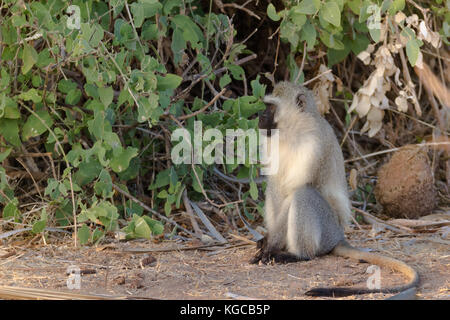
x=187 y=205
x=143 y=205
x=395 y=149
x=193 y=114
x=316 y=77
x=372 y=219
x=302 y=65
x=208 y=223
x=234 y=5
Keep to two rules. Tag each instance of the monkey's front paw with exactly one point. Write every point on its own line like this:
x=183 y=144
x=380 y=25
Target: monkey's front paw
x=261 y=245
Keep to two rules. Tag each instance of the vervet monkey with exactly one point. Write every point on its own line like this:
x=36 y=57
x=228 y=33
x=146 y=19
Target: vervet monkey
x=307 y=205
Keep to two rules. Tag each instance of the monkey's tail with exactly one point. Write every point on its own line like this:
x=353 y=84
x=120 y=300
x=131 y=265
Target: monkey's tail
x=347 y=251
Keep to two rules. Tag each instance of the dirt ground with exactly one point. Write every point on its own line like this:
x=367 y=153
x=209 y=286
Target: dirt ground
x=215 y=272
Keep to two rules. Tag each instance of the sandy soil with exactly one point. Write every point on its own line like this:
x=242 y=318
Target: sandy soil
x=214 y=273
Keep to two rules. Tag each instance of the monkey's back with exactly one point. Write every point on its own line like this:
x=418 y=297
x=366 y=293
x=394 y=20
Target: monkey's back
x=318 y=230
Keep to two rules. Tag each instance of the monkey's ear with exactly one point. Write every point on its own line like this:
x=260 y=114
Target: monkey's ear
x=301 y=101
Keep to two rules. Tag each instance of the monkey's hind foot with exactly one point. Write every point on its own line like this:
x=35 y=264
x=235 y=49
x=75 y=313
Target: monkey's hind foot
x=270 y=255
x=281 y=257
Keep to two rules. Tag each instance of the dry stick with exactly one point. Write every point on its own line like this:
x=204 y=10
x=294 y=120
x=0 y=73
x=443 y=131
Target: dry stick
x=32 y=178
x=237 y=63
x=348 y=130
x=134 y=27
x=372 y=219
x=316 y=77
x=234 y=5
x=395 y=149
x=249 y=241
x=302 y=64
x=211 y=253
x=208 y=223
x=412 y=118
x=32 y=154
x=216 y=97
x=7 y=292
x=185 y=248
x=189 y=211
x=72 y=193
x=143 y=205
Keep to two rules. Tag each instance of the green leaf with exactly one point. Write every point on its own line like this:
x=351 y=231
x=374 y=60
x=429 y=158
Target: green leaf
x=97 y=234
x=162 y=194
x=144 y=9
x=36 y=124
x=5 y=154
x=224 y=80
x=5 y=78
x=8 y=107
x=9 y=129
x=84 y=234
x=375 y=34
x=106 y=95
x=18 y=21
x=32 y=95
x=39 y=226
x=65 y=86
x=289 y=31
x=156 y=226
x=355 y=6
x=253 y=190
x=142 y=229
x=308 y=34
x=96 y=35
x=336 y=56
x=190 y=31
x=412 y=51
x=11 y=210
x=308 y=6
x=195 y=183
x=236 y=71
x=360 y=43
x=330 y=41
x=396 y=5
x=138 y=14
x=132 y=171
x=121 y=162
x=29 y=57
x=330 y=13
x=44 y=58
x=169 y=81
x=258 y=89
x=167 y=207
x=162 y=180
x=87 y=172
x=73 y=97
x=148 y=108
x=272 y=13
x=103 y=187
x=299 y=19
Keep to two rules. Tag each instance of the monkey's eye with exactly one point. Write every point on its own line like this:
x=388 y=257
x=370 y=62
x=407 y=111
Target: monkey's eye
x=301 y=101
x=271 y=107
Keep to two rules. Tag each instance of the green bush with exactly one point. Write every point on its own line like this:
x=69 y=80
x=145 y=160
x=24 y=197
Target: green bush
x=88 y=105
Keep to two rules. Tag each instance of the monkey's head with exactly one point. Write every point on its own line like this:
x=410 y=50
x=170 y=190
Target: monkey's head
x=286 y=102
